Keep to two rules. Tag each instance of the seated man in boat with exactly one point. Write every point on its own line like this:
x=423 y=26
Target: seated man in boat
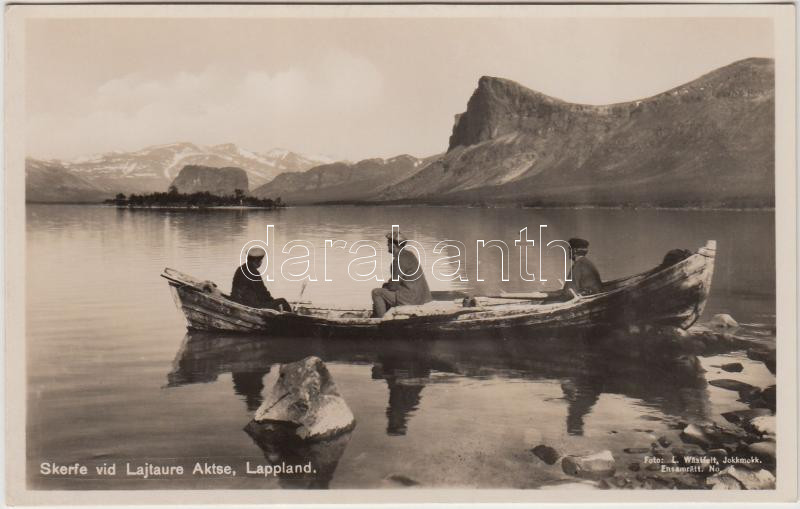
x=248 y=288
x=407 y=284
x=584 y=279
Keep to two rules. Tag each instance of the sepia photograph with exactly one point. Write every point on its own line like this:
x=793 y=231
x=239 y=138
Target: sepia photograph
x=434 y=253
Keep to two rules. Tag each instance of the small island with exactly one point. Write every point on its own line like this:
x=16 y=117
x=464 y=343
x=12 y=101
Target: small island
x=201 y=187
x=197 y=200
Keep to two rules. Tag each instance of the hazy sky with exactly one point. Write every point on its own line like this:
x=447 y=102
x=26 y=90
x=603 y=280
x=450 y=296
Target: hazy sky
x=344 y=88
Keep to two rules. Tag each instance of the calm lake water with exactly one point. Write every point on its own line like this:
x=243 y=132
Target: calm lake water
x=113 y=376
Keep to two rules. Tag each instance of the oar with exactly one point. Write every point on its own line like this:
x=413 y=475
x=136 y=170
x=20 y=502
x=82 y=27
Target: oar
x=302 y=289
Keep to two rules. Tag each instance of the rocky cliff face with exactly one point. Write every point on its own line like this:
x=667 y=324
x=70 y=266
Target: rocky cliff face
x=501 y=107
x=707 y=143
x=341 y=181
x=218 y=181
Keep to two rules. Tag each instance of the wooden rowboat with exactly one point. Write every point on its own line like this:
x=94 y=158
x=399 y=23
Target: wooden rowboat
x=673 y=295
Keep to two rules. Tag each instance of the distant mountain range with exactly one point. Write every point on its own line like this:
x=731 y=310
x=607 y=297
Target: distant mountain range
x=151 y=169
x=708 y=143
x=342 y=182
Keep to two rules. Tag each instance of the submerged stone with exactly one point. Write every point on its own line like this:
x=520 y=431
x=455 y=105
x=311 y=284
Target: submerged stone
x=694 y=434
x=751 y=479
x=723 y=482
x=600 y=464
x=304 y=394
x=732 y=385
x=572 y=485
x=723 y=321
x=402 y=480
x=764 y=425
x=741 y=417
x=768 y=395
x=718 y=454
x=732 y=367
x=546 y=454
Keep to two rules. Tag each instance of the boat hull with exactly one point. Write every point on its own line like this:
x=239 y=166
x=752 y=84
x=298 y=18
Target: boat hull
x=672 y=296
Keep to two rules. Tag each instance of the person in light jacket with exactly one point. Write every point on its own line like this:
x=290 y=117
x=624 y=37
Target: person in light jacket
x=407 y=284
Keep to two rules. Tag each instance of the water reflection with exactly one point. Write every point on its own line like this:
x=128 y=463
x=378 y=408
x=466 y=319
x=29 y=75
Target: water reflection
x=249 y=385
x=79 y=369
x=582 y=394
x=585 y=368
x=405 y=375
x=282 y=447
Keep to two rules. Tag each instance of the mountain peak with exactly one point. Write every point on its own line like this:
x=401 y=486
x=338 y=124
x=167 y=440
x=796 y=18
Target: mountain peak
x=493 y=107
x=277 y=152
x=504 y=89
x=171 y=146
x=225 y=147
x=708 y=142
x=220 y=181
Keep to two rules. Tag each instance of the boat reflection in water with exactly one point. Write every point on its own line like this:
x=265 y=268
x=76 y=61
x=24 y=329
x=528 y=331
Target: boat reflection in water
x=585 y=367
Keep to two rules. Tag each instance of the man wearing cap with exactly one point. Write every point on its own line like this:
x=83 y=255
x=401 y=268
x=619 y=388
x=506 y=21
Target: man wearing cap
x=248 y=288
x=407 y=284
x=584 y=279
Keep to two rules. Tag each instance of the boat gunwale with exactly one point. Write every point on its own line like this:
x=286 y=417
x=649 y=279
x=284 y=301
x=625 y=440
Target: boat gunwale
x=525 y=308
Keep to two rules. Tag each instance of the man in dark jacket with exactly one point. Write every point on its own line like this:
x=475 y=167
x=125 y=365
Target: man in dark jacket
x=248 y=288
x=584 y=279
x=407 y=284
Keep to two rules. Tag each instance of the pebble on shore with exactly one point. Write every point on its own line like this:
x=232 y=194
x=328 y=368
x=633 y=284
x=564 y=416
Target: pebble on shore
x=595 y=465
x=744 y=446
x=733 y=367
x=546 y=454
x=761 y=479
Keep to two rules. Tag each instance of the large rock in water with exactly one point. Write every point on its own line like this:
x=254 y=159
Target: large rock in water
x=218 y=181
x=304 y=395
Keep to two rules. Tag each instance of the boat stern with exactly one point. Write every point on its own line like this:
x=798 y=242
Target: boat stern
x=212 y=311
x=708 y=253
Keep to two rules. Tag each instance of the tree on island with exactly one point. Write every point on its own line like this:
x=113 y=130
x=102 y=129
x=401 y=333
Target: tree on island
x=174 y=198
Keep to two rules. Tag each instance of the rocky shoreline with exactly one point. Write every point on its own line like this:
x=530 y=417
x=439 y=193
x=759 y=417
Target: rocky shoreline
x=737 y=452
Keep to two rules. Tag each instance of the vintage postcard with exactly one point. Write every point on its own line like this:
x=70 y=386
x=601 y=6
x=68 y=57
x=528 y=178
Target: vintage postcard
x=400 y=253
